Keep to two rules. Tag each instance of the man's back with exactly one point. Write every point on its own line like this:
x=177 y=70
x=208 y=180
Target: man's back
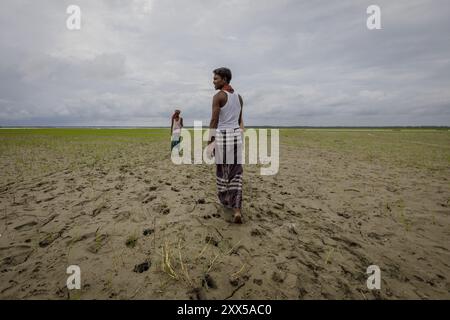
x=229 y=113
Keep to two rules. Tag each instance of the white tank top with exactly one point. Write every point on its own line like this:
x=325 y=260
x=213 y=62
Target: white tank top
x=229 y=113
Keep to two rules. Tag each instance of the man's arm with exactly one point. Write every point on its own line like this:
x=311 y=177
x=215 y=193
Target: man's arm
x=241 y=119
x=171 y=127
x=216 y=105
x=181 y=122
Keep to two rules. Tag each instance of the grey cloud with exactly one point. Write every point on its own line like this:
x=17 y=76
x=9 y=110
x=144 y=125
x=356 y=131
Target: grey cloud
x=294 y=62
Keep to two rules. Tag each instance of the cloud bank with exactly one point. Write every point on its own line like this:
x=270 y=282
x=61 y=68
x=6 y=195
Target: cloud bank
x=307 y=63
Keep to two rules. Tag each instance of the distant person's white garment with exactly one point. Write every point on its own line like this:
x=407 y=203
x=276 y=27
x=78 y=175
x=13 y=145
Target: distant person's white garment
x=229 y=113
x=176 y=129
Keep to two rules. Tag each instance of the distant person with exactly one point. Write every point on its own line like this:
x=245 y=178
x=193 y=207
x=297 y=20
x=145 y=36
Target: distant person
x=227 y=141
x=175 y=129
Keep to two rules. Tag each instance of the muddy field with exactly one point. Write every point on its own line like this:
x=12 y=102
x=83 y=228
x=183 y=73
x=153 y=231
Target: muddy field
x=139 y=227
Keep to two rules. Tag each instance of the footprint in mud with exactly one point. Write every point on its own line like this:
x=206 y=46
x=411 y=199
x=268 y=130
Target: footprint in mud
x=258 y=282
x=49 y=239
x=124 y=168
x=139 y=268
x=20 y=202
x=278 y=276
x=17 y=258
x=209 y=216
x=273 y=214
x=391 y=189
x=80 y=238
x=209 y=282
x=52 y=188
x=149 y=198
x=375 y=236
x=162 y=208
x=99 y=241
x=148 y=232
x=122 y=216
x=343 y=215
x=98 y=210
x=38 y=185
x=45 y=199
x=347 y=241
x=257 y=232
x=131 y=242
x=212 y=240
x=239 y=281
x=279 y=206
x=26 y=226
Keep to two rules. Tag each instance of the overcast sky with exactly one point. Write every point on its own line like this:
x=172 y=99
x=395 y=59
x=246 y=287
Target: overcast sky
x=311 y=63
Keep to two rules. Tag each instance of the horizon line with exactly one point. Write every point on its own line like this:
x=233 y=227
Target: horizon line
x=256 y=126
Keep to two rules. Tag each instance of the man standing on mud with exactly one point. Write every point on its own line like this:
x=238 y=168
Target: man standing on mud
x=226 y=131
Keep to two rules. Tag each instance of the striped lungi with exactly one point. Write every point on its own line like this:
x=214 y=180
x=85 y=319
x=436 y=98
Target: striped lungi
x=228 y=154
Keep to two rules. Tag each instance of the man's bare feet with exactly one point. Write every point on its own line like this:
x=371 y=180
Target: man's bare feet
x=237 y=218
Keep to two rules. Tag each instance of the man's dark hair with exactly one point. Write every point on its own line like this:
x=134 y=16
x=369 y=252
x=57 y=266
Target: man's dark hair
x=224 y=73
